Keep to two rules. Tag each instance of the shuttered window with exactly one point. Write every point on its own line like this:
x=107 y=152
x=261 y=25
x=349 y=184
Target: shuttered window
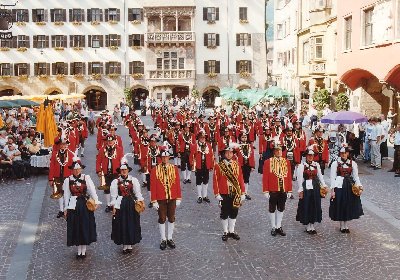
x=76 y=15
x=21 y=69
x=136 y=67
x=136 y=40
x=243 y=66
x=58 y=15
x=5 y=69
x=135 y=14
x=59 y=68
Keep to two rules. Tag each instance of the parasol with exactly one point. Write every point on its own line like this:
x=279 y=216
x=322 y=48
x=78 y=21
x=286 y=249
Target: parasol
x=344 y=117
x=8 y=104
x=24 y=103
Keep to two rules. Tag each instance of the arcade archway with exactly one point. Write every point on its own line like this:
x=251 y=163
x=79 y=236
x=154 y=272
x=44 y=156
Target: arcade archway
x=209 y=96
x=9 y=91
x=138 y=94
x=96 y=98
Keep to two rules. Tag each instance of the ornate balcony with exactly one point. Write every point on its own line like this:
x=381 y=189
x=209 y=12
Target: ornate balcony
x=172 y=74
x=171 y=37
x=317 y=68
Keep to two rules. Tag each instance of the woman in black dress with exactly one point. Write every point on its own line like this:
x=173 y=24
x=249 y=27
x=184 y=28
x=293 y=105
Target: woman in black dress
x=309 y=180
x=81 y=224
x=125 y=192
x=345 y=205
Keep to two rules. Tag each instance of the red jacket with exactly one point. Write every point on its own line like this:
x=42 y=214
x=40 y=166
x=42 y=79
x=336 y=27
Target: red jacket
x=102 y=160
x=220 y=182
x=222 y=143
x=195 y=155
x=250 y=130
x=182 y=143
x=324 y=153
x=296 y=150
x=301 y=139
x=250 y=155
x=147 y=159
x=270 y=180
x=157 y=188
x=263 y=143
x=55 y=166
x=83 y=130
x=212 y=132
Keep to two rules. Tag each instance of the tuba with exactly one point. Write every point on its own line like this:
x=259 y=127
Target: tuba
x=103 y=186
x=57 y=189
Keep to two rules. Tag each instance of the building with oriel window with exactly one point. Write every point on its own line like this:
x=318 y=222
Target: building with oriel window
x=153 y=48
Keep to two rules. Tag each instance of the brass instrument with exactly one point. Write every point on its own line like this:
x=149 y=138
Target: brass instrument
x=103 y=186
x=57 y=189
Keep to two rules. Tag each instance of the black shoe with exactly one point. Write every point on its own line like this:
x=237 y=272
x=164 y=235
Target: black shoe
x=396 y=175
x=60 y=214
x=291 y=196
x=163 y=245
x=391 y=170
x=234 y=235
x=128 y=251
x=309 y=231
x=225 y=237
x=377 y=168
x=108 y=209
x=171 y=244
x=144 y=185
x=313 y=231
x=199 y=200
x=124 y=252
x=343 y=230
x=82 y=155
x=150 y=205
x=83 y=256
x=206 y=199
x=78 y=256
x=184 y=181
x=273 y=231
x=347 y=230
x=189 y=181
x=248 y=197
x=280 y=231
x=365 y=161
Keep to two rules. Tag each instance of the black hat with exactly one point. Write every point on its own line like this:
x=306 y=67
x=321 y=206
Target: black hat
x=76 y=163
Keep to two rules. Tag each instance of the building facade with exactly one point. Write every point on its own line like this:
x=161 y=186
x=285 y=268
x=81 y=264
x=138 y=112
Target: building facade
x=285 y=43
x=151 y=48
x=368 y=60
x=317 y=49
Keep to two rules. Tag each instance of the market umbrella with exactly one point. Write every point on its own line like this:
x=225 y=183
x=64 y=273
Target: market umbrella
x=40 y=119
x=277 y=92
x=8 y=104
x=24 y=103
x=344 y=117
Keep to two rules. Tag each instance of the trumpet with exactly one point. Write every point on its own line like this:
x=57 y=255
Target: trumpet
x=102 y=180
x=57 y=189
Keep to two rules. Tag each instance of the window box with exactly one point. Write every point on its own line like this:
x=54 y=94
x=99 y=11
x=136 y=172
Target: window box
x=95 y=22
x=78 y=48
x=113 y=75
x=22 y=77
x=78 y=76
x=243 y=21
x=96 y=77
x=22 y=49
x=113 y=22
x=59 y=48
x=113 y=48
x=136 y=21
x=77 y=23
x=245 y=74
x=60 y=76
x=40 y=23
x=137 y=47
x=6 y=77
x=4 y=49
x=212 y=75
x=21 y=23
x=211 y=22
x=137 y=76
x=211 y=47
x=58 y=23
x=43 y=76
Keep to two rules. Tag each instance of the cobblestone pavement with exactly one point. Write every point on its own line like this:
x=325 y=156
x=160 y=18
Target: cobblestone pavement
x=14 y=200
x=371 y=251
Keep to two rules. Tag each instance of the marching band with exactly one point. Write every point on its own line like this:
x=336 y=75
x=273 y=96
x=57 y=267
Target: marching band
x=182 y=143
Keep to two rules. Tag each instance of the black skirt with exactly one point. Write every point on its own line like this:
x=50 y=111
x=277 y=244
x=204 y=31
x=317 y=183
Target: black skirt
x=126 y=228
x=346 y=206
x=309 y=208
x=81 y=225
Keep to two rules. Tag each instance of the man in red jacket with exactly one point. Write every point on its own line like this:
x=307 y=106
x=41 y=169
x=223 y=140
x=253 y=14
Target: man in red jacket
x=166 y=196
x=107 y=162
x=58 y=171
x=202 y=160
x=245 y=157
x=277 y=187
x=229 y=190
x=83 y=133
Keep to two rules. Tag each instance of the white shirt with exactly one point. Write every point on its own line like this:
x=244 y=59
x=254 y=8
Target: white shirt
x=385 y=130
x=116 y=199
x=373 y=134
x=337 y=181
x=300 y=177
x=397 y=138
x=70 y=201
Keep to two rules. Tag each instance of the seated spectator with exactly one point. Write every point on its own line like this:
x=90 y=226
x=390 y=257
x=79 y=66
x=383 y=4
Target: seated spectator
x=26 y=158
x=34 y=148
x=18 y=166
x=3 y=138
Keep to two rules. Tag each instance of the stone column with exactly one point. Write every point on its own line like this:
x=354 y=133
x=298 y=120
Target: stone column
x=176 y=21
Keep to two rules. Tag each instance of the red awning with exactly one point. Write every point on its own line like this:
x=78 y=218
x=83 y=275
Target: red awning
x=353 y=77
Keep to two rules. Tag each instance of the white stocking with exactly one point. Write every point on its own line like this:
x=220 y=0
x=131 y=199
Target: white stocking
x=108 y=198
x=199 y=191
x=345 y=225
x=312 y=227
x=61 y=204
x=231 y=223
x=82 y=150
x=175 y=161
x=129 y=247
x=246 y=188
x=124 y=247
x=225 y=225
x=205 y=187
x=341 y=225
x=171 y=227
x=162 y=231
x=273 y=220
x=79 y=250
x=188 y=174
x=83 y=250
x=279 y=217
x=308 y=227
x=144 y=177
